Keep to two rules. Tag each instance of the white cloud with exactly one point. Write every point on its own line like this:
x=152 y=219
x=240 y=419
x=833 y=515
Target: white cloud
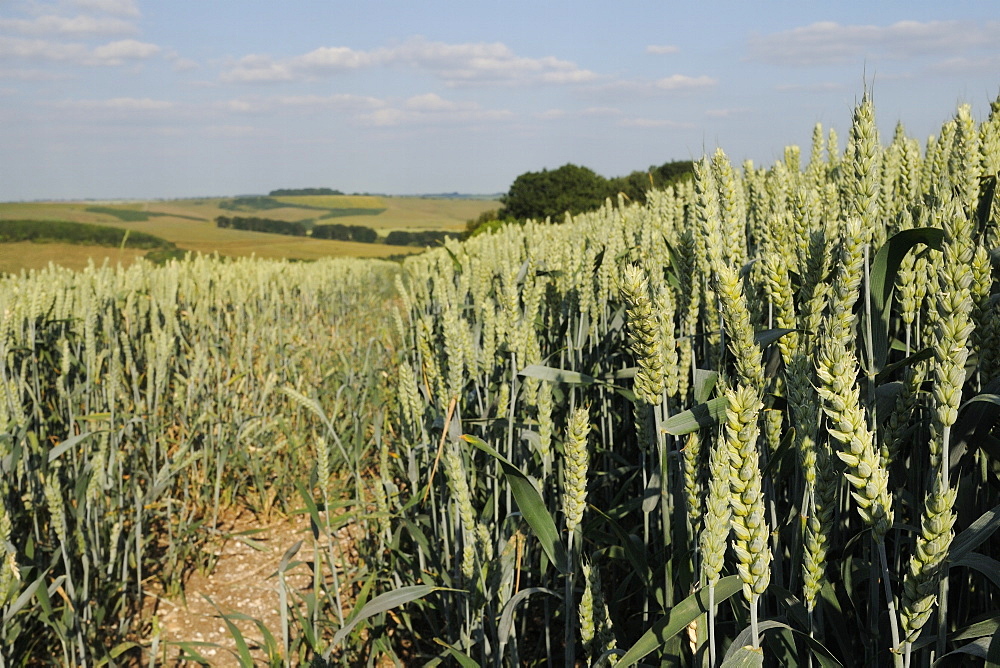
x=51 y=24
x=342 y=102
x=38 y=49
x=568 y=76
x=231 y=131
x=682 y=82
x=962 y=66
x=385 y=117
x=728 y=113
x=662 y=49
x=431 y=102
x=116 y=53
x=431 y=109
x=117 y=7
x=482 y=62
x=183 y=64
x=31 y=75
x=113 y=53
x=551 y=115
x=334 y=58
x=455 y=64
x=126 y=104
x=822 y=87
x=241 y=106
x=830 y=43
x=601 y=111
x=676 y=83
x=336 y=102
x=393 y=116
x=652 y=123
x=588 y=112
x=257 y=69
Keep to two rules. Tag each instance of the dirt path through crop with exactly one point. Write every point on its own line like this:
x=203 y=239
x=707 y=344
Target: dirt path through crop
x=243 y=581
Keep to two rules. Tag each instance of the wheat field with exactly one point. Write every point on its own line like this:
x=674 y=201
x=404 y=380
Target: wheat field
x=750 y=422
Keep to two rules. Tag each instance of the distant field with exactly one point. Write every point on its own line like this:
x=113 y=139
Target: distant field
x=15 y=257
x=401 y=213
x=190 y=225
x=335 y=201
x=412 y=213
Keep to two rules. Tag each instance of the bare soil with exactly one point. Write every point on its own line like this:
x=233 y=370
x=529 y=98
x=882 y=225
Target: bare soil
x=244 y=580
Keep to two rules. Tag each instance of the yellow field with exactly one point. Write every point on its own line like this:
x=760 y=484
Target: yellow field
x=335 y=201
x=418 y=213
x=297 y=248
x=27 y=255
x=401 y=213
x=190 y=224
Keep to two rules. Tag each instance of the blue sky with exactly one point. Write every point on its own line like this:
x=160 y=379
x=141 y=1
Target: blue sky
x=135 y=99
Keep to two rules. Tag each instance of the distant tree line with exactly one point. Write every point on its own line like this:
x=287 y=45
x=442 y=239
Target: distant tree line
x=251 y=203
x=255 y=224
x=337 y=232
x=345 y=233
x=294 y=192
x=343 y=212
x=367 y=235
x=125 y=215
x=41 y=231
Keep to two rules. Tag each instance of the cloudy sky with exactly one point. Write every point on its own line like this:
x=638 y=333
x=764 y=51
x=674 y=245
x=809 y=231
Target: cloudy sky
x=140 y=99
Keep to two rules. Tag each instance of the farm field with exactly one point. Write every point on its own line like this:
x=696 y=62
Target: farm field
x=27 y=255
x=190 y=225
x=751 y=422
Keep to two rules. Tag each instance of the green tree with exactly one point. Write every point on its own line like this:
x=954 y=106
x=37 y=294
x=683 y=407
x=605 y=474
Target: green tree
x=488 y=221
x=552 y=193
x=638 y=183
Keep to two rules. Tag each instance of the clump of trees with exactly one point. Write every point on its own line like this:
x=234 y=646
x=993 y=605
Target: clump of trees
x=296 y=192
x=345 y=233
x=575 y=189
x=251 y=203
x=125 y=215
x=255 y=224
x=342 y=212
x=335 y=231
x=418 y=238
x=488 y=221
x=546 y=194
x=42 y=231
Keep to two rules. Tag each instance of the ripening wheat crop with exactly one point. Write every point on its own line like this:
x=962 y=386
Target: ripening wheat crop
x=790 y=387
x=138 y=404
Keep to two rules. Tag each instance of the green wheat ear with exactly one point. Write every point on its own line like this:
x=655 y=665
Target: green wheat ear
x=575 y=472
x=644 y=335
x=749 y=525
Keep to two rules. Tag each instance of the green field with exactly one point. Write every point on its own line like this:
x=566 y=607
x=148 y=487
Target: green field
x=189 y=224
